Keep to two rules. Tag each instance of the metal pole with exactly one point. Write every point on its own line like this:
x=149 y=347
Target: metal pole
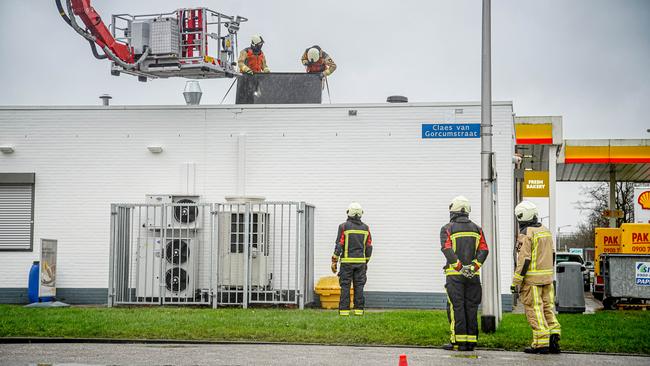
x=241 y=164
x=111 y=257
x=612 y=195
x=552 y=197
x=247 y=217
x=491 y=313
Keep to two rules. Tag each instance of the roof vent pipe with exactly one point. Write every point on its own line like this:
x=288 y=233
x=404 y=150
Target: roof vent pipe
x=192 y=92
x=397 y=99
x=105 y=99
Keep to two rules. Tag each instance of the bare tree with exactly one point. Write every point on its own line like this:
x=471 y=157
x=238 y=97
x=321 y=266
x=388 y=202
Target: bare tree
x=595 y=201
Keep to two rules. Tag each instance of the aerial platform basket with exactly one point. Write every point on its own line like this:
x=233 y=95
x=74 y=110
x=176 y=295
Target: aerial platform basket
x=196 y=43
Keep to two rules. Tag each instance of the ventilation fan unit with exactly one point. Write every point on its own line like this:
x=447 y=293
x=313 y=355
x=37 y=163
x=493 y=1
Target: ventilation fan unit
x=180 y=266
x=181 y=212
x=168 y=270
x=149 y=261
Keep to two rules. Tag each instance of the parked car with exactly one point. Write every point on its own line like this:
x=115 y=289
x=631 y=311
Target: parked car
x=577 y=258
x=590 y=267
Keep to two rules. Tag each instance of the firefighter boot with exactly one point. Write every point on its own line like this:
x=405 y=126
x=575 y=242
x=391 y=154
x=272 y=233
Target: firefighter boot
x=462 y=346
x=450 y=347
x=554 y=344
x=538 y=350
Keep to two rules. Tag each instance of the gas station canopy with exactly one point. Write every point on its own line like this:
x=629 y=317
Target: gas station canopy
x=594 y=160
x=542 y=149
x=580 y=160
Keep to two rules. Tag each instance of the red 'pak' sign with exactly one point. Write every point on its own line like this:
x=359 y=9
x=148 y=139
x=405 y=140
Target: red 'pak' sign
x=640 y=238
x=611 y=240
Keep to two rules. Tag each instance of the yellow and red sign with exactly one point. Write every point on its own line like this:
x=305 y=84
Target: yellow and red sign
x=607 y=154
x=636 y=238
x=534 y=134
x=608 y=240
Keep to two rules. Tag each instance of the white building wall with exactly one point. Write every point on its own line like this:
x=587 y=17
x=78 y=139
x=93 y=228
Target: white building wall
x=88 y=157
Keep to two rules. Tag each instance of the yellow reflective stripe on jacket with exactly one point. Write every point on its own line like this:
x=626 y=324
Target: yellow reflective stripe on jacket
x=533 y=256
x=345 y=258
x=464 y=234
x=353 y=260
x=540 y=272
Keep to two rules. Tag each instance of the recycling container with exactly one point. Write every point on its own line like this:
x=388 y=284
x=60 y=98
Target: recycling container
x=570 y=297
x=626 y=278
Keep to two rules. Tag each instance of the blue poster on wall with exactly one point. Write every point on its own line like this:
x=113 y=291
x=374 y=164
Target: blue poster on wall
x=451 y=131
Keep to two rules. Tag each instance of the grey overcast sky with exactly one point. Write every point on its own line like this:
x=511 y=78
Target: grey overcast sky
x=586 y=60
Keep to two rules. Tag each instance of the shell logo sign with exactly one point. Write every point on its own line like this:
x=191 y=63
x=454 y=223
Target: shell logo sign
x=641 y=205
x=644 y=200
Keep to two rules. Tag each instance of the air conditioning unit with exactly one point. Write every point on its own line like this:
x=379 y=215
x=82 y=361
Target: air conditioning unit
x=231 y=249
x=169 y=270
x=149 y=260
x=176 y=215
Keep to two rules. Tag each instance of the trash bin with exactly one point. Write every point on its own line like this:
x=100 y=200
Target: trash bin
x=330 y=292
x=570 y=296
x=626 y=278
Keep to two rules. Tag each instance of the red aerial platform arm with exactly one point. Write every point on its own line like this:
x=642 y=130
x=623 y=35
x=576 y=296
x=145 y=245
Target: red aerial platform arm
x=97 y=28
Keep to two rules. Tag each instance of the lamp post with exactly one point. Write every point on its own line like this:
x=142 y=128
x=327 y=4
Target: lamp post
x=558 y=236
x=491 y=306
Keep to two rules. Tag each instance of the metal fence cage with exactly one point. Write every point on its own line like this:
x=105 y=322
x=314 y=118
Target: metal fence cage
x=211 y=254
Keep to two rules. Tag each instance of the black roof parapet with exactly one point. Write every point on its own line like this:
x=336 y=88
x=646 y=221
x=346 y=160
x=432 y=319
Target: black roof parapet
x=279 y=88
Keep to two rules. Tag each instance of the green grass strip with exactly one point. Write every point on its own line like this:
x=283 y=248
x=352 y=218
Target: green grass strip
x=612 y=332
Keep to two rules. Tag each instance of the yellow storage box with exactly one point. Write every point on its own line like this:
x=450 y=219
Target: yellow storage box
x=608 y=240
x=636 y=238
x=330 y=292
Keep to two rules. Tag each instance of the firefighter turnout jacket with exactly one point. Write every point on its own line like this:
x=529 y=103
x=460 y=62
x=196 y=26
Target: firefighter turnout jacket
x=463 y=243
x=324 y=64
x=353 y=242
x=535 y=256
x=253 y=61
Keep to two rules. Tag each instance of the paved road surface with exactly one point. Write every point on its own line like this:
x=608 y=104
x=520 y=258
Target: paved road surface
x=244 y=354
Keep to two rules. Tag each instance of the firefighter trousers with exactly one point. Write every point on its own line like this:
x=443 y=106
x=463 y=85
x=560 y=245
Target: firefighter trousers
x=463 y=298
x=352 y=273
x=539 y=302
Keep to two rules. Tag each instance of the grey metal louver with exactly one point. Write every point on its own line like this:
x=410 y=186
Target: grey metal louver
x=16 y=217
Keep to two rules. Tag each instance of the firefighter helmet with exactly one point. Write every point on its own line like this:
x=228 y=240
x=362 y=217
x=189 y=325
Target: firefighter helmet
x=460 y=204
x=313 y=54
x=526 y=211
x=257 y=40
x=355 y=209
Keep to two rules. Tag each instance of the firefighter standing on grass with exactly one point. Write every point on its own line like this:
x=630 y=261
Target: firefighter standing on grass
x=533 y=279
x=354 y=248
x=251 y=59
x=465 y=249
